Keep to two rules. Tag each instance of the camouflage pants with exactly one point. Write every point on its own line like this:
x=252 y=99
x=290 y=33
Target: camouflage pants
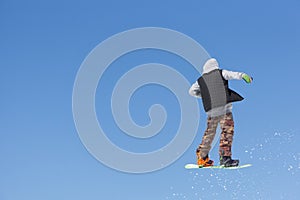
x=227 y=126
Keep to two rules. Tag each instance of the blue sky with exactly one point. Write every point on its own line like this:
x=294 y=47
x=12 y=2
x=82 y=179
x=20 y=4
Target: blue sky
x=42 y=45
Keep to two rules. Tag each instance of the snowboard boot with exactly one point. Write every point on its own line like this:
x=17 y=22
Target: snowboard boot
x=226 y=161
x=205 y=162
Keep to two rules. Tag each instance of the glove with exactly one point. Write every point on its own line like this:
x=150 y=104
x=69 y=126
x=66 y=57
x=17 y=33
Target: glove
x=247 y=78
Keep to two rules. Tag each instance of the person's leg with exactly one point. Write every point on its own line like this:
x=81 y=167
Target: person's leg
x=227 y=126
x=205 y=146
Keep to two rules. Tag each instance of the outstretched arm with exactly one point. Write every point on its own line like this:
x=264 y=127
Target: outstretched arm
x=195 y=90
x=229 y=75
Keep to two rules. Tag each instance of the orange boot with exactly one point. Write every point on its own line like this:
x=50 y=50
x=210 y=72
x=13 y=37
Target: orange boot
x=205 y=162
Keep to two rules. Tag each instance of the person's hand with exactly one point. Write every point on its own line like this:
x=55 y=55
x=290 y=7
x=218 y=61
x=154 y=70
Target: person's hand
x=247 y=78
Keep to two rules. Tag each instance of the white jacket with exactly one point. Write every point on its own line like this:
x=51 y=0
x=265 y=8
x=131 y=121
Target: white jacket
x=209 y=66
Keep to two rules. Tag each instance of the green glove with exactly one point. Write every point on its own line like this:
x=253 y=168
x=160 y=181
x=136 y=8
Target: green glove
x=247 y=78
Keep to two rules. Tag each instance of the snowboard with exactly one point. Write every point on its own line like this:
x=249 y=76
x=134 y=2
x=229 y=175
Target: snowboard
x=194 y=166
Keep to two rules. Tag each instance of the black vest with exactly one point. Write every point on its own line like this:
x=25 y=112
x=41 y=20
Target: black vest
x=215 y=91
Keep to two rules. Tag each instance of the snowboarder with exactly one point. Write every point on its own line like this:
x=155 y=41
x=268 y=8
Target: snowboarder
x=217 y=100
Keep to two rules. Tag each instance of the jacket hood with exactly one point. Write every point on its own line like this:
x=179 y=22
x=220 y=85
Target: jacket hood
x=210 y=65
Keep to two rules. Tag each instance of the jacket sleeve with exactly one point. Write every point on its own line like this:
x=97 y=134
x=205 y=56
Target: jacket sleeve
x=195 y=90
x=229 y=75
